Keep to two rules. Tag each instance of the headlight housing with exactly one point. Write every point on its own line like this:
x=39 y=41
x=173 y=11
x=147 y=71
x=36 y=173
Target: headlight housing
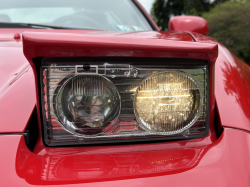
x=100 y=102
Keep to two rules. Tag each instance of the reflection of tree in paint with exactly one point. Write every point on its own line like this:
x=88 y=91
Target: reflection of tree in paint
x=237 y=83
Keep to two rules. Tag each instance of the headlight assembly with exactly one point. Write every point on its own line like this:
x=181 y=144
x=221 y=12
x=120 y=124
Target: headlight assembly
x=101 y=102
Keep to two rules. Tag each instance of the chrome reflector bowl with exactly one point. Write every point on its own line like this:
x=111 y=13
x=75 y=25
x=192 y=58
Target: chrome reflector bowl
x=168 y=102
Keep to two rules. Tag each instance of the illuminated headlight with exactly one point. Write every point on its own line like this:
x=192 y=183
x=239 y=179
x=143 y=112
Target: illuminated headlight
x=110 y=102
x=168 y=102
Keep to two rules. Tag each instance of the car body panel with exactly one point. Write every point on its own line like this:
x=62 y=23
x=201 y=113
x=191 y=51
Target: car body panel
x=232 y=87
x=232 y=91
x=16 y=85
x=217 y=164
x=188 y=23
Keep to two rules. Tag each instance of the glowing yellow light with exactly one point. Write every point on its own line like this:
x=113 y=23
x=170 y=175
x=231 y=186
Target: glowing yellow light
x=165 y=96
x=168 y=101
x=169 y=104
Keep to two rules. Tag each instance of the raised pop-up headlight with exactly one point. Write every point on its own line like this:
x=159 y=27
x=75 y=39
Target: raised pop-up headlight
x=111 y=102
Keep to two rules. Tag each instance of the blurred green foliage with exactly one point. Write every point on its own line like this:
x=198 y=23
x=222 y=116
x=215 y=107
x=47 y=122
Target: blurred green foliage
x=228 y=20
x=229 y=23
x=163 y=10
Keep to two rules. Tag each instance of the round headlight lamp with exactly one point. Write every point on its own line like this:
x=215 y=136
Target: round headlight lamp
x=168 y=102
x=87 y=104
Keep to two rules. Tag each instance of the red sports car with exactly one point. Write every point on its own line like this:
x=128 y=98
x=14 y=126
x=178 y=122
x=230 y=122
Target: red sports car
x=92 y=93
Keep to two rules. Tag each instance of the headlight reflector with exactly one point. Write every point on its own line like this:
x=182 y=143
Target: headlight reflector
x=168 y=102
x=86 y=104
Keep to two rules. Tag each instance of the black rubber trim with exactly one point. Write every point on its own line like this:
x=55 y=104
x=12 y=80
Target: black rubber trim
x=25 y=134
x=145 y=15
x=236 y=129
x=4 y=134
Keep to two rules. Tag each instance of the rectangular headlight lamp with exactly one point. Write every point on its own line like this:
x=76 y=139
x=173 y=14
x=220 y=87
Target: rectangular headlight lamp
x=100 y=102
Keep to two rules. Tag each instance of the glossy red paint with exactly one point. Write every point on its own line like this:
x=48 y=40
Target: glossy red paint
x=188 y=23
x=175 y=36
x=17 y=36
x=128 y=45
x=9 y=34
x=232 y=91
x=217 y=164
x=17 y=90
x=202 y=38
x=232 y=87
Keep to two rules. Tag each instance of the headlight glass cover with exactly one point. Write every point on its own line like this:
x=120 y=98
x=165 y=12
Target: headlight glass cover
x=100 y=102
x=86 y=104
x=168 y=102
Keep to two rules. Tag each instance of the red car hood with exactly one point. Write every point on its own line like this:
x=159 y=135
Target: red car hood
x=221 y=163
x=8 y=34
x=17 y=87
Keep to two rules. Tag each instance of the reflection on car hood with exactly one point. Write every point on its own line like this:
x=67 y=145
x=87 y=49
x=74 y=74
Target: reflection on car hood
x=8 y=34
